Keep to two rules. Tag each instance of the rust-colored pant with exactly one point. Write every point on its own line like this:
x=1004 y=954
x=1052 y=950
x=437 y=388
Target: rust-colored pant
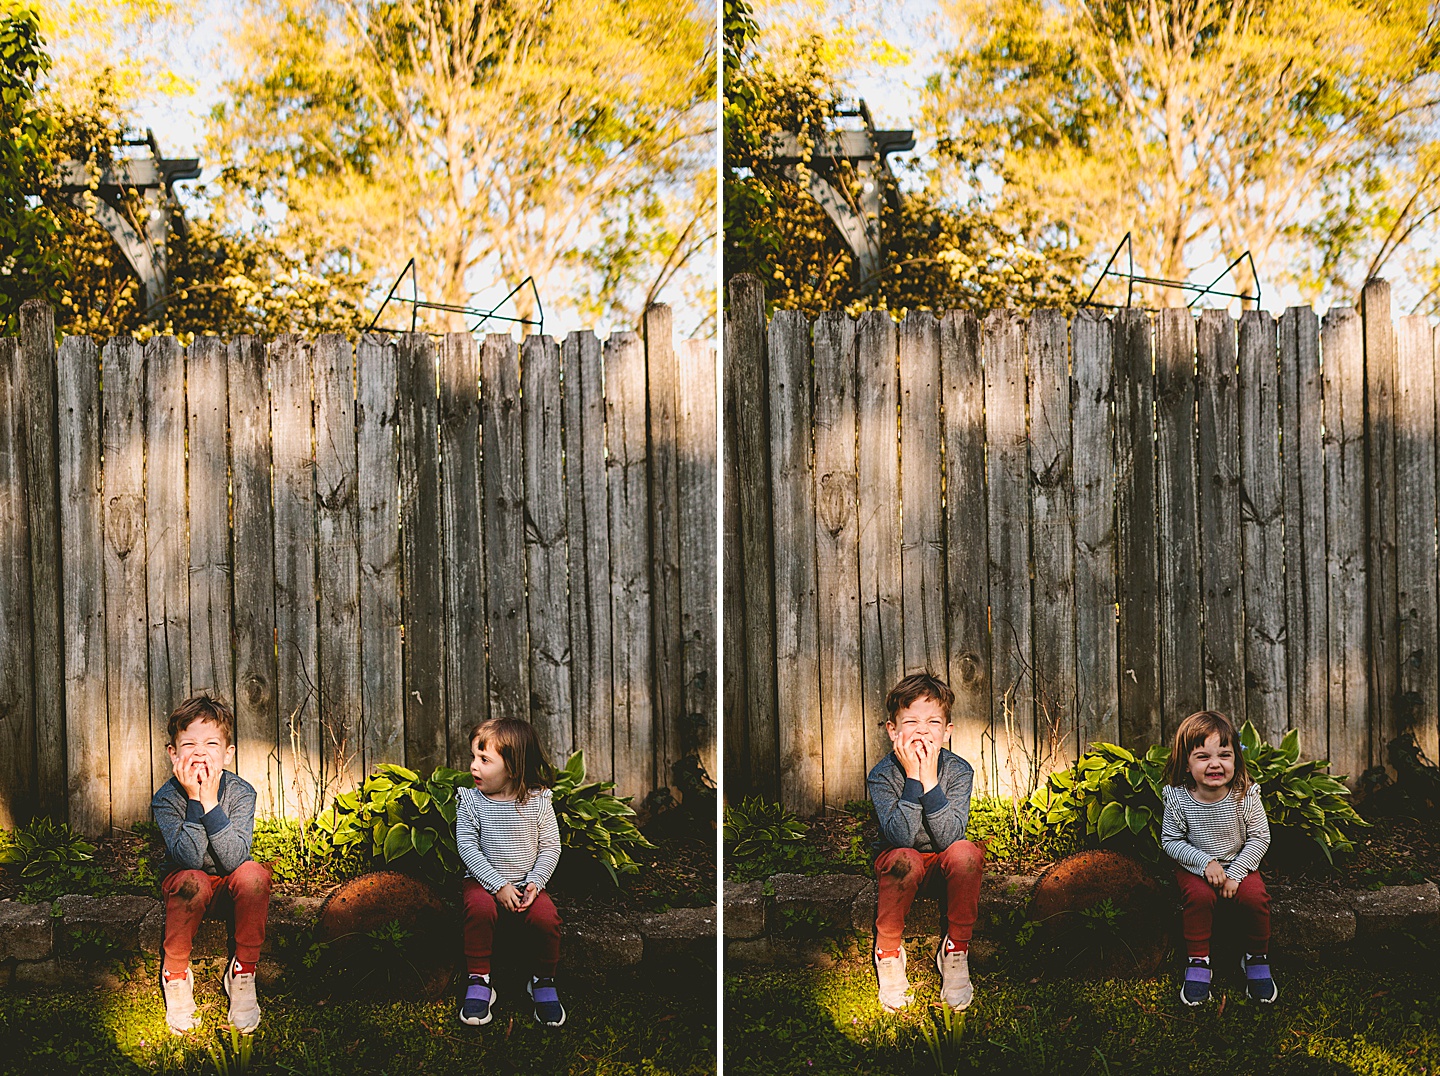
x=483 y=912
x=189 y=893
x=1252 y=899
x=902 y=872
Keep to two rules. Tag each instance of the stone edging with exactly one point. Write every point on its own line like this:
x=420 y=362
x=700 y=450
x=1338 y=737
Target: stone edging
x=761 y=918
x=33 y=938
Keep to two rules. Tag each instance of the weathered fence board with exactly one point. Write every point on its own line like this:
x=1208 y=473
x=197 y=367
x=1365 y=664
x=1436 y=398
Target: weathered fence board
x=922 y=548
x=211 y=649
x=17 y=684
x=661 y=390
x=1381 y=525
x=503 y=521
x=699 y=482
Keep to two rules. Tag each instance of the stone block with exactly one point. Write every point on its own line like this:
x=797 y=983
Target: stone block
x=680 y=932
x=1309 y=920
x=599 y=943
x=830 y=897
x=118 y=918
x=211 y=940
x=152 y=929
x=289 y=917
x=984 y=953
x=39 y=974
x=862 y=908
x=744 y=909
x=26 y=931
x=743 y=951
x=7 y=973
x=1395 y=909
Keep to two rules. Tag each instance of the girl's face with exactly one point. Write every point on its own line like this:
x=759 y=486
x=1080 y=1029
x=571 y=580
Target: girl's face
x=1212 y=766
x=488 y=769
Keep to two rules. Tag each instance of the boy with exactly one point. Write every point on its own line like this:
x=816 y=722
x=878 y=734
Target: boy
x=921 y=794
x=207 y=816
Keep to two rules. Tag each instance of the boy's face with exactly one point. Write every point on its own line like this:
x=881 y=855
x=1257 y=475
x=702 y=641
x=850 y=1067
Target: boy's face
x=924 y=719
x=202 y=743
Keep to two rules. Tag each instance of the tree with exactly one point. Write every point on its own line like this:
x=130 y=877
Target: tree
x=1298 y=132
x=492 y=139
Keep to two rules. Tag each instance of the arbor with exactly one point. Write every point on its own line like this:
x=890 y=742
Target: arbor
x=491 y=139
x=1299 y=132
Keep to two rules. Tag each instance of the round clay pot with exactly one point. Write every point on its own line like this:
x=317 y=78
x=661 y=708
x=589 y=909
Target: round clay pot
x=358 y=910
x=1094 y=946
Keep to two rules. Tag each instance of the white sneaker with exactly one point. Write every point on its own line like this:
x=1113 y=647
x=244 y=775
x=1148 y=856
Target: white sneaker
x=244 y=1009
x=954 y=966
x=894 y=987
x=180 y=1002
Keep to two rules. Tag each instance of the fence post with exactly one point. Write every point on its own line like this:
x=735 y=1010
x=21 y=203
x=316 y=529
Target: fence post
x=661 y=387
x=17 y=680
x=1380 y=481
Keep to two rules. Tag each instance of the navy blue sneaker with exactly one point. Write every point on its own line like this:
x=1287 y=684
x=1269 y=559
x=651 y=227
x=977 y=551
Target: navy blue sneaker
x=1195 y=990
x=479 y=996
x=548 y=1009
x=1259 y=984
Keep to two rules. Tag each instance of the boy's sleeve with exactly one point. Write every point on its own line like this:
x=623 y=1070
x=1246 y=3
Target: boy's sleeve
x=549 y=843
x=1174 y=839
x=899 y=813
x=231 y=834
x=467 y=839
x=185 y=838
x=1257 y=837
x=946 y=807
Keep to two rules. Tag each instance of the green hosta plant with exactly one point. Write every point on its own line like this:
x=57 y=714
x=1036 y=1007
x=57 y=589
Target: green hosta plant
x=1300 y=795
x=761 y=837
x=594 y=821
x=53 y=861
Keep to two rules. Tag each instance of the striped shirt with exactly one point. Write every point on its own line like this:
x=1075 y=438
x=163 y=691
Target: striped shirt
x=1195 y=833
x=503 y=842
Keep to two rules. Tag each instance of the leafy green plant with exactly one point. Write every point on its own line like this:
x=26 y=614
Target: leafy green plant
x=944 y=1038
x=302 y=850
x=1300 y=795
x=594 y=821
x=761 y=838
x=53 y=861
x=231 y=1058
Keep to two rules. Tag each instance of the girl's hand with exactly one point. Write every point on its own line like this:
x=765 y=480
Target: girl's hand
x=1230 y=888
x=1214 y=873
x=508 y=897
x=531 y=892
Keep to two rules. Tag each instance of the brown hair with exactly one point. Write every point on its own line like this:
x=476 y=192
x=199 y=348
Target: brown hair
x=201 y=707
x=1192 y=733
x=519 y=749
x=915 y=687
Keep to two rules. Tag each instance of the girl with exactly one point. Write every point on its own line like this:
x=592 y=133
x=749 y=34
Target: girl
x=1215 y=829
x=510 y=842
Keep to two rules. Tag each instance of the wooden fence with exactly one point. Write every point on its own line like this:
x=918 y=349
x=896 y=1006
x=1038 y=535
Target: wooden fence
x=368 y=548
x=1091 y=527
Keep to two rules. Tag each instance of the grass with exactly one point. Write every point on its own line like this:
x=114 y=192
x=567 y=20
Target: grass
x=1382 y=1022
x=661 y=1024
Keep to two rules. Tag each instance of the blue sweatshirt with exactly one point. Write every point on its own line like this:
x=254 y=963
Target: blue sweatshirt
x=912 y=818
x=216 y=842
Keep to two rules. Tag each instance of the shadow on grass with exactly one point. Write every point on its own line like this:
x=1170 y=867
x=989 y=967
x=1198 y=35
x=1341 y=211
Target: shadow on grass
x=1379 y=1020
x=662 y=1022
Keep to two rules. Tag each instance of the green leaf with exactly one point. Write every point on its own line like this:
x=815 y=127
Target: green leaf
x=1111 y=821
x=397 y=841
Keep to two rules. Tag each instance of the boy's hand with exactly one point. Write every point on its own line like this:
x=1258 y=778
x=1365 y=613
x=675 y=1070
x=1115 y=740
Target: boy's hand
x=508 y=897
x=531 y=892
x=909 y=759
x=209 y=787
x=185 y=776
x=1214 y=873
x=1230 y=888
x=929 y=764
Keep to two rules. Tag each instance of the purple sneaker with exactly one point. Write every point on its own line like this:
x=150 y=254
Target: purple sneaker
x=1259 y=984
x=548 y=1009
x=1195 y=990
x=479 y=996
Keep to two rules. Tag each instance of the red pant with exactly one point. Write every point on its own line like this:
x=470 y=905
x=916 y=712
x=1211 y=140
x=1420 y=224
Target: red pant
x=1200 y=899
x=902 y=871
x=189 y=893
x=482 y=912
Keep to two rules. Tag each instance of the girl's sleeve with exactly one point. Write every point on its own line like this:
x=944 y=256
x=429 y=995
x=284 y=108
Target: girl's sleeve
x=1257 y=840
x=1175 y=839
x=549 y=855
x=467 y=839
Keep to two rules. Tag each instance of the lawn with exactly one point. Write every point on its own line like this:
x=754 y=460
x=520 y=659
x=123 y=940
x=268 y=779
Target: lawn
x=1381 y=1020
x=660 y=1023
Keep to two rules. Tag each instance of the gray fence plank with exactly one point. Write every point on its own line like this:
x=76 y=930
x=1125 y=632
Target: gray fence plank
x=17 y=702
x=1262 y=521
x=1416 y=704
x=212 y=651
x=1097 y=700
x=422 y=553
x=167 y=557
x=504 y=527
x=696 y=466
x=1380 y=478
x=338 y=566
x=1012 y=707
x=797 y=658
x=922 y=545
x=253 y=577
x=1303 y=461
x=1342 y=349
x=882 y=644
x=588 y=524
x=837 y=565
x=467 y=676
x=382 y=693
x=1182 y=676
x=662 y=375
x=127 y=683
x=37 y=400
x=735 y=631
x=82 y=529
x=291 y=424
x=546 y=546
x=1218 y=455
x=745 y=379
x=630 y=565
x=1136 y=568
x=1052 y=539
